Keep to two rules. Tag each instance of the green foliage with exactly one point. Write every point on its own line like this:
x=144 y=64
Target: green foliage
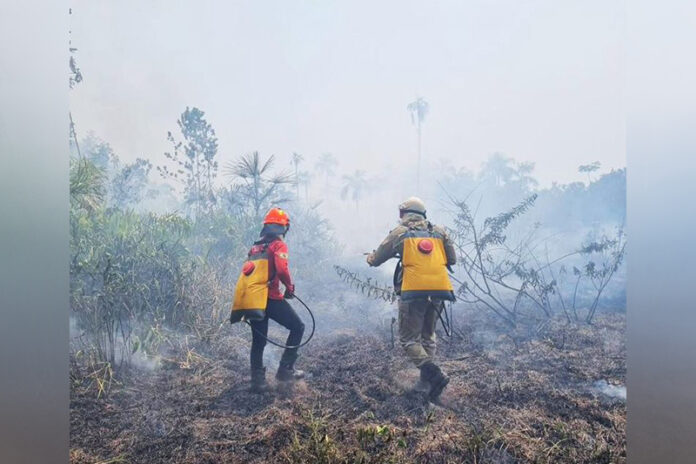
x=87 y=190
x=503 y=276
x=374 y=433
x=98 y=151
x=494 y=227
x=194 y=157
x=605 y=257
x=314 y=444
x=135 y=274
x=127 y=271
x=129 y=183
x=75 y=76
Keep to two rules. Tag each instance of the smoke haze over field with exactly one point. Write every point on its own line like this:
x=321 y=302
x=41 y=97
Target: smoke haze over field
x=519 y=97
x=539 y=81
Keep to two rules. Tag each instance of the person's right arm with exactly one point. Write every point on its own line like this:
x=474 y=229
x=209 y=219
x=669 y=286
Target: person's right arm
x=387 y=249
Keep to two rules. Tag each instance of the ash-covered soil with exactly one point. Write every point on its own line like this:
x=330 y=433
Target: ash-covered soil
x=551 y=393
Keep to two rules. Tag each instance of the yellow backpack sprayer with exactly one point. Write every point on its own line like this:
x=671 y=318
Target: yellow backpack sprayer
x=251 y=296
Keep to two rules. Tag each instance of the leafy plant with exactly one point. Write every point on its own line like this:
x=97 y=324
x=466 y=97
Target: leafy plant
x=502 y=276
x=87 y=189
x=314 y=444
x=129 y=183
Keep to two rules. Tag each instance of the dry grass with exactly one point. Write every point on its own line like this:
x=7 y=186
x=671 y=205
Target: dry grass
x=514 y=398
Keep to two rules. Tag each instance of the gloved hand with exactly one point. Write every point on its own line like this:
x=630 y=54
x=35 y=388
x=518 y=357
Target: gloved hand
x=370 y=258
x=289 y=293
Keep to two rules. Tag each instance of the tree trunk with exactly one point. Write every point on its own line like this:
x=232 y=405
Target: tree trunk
x=418 y=165
x=297 y=184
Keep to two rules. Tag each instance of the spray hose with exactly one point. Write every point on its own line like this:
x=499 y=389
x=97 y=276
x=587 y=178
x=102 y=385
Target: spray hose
x=280 y=345
x=447 y=321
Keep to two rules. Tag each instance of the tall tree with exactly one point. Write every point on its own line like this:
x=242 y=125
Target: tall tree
x=589 y=168
x=195 y=160
x=305 y=178
x=326 y=165
x=354 y=186
x=418 y=110
x=75 y=71
x=296 y=160
x=74 y=78
x=498 y=168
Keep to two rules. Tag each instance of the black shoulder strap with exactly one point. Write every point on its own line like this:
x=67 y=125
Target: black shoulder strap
x=265 y=249
x=259 y=242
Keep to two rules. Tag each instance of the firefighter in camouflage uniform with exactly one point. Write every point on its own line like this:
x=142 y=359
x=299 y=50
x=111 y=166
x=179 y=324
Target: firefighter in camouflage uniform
x=422 y=283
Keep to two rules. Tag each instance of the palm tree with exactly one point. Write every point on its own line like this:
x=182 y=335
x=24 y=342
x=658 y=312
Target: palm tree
x=296 y=160
x=305 y=178
x=355 y=186
x=326 y=165
x=260 y=187
x=418 y=109
x=498 y=168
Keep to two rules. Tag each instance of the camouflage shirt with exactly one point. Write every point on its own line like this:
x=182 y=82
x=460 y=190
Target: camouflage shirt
x=393 y=245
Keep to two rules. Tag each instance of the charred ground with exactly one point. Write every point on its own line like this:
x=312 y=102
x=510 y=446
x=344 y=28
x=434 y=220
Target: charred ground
x=515 y=397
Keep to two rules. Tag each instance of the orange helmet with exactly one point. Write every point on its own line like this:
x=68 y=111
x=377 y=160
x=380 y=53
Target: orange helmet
x=277 y=216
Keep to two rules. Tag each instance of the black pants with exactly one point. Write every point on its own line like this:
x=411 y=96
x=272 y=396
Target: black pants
x=281 y=312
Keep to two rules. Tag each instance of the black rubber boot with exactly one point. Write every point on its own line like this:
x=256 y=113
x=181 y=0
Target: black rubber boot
x=287 y=373
x=438 y=381
x=423 y=385
x=258 y=381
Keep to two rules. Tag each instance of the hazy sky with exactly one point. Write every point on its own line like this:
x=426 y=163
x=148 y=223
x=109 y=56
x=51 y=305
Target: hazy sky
x=541 y=81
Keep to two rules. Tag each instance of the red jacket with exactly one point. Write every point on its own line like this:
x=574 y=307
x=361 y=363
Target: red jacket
x=277 y=267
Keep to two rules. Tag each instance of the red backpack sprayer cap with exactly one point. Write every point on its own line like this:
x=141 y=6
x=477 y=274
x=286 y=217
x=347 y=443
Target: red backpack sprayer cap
x=425 y=246
x=248 y=268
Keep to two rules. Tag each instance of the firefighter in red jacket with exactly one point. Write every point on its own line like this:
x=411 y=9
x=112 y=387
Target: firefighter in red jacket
x=268 y=258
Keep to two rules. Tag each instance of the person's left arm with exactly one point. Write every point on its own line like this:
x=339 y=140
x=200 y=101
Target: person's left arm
x=450 y=252
x=280 y=259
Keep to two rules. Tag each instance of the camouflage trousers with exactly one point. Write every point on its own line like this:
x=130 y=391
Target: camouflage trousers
x=417 y=320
